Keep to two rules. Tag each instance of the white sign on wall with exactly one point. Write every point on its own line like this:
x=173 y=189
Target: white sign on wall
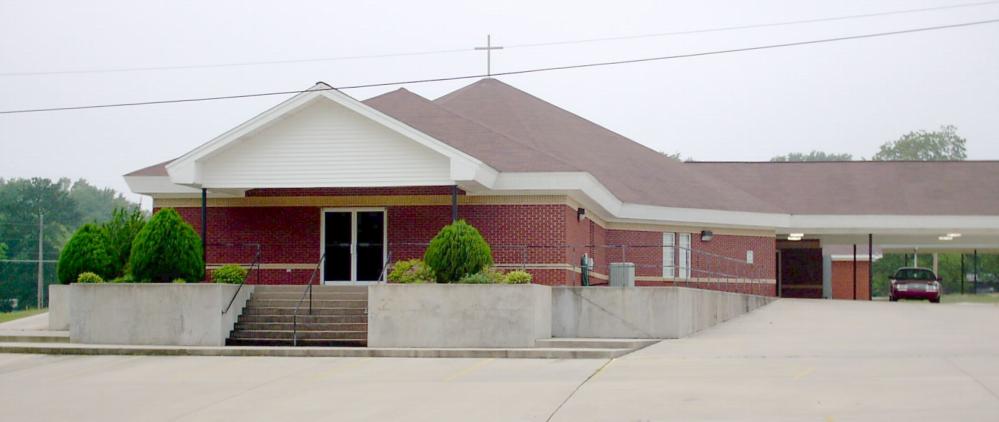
x=749 y=257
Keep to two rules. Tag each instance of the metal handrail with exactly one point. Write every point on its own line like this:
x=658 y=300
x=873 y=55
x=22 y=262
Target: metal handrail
x=255 y=264
x=307 y=291
x=388 y=260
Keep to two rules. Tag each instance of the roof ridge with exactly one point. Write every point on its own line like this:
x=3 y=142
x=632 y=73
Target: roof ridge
x=479 y=124
x=659 y=159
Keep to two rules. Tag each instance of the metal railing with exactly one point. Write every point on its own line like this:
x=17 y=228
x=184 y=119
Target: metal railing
x=307 y=291
x=691 y=267
x=254 y=265
x=385 y=265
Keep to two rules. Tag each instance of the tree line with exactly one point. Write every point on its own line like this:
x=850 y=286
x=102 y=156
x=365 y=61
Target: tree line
x=63 y=205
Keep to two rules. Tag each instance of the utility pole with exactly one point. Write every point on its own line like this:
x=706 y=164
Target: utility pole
x=41 y=265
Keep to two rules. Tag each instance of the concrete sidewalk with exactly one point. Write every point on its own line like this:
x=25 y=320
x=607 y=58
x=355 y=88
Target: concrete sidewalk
x=31 y=323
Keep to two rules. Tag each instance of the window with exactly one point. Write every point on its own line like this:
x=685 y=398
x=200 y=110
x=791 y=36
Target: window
x=669 y=255
x=684 y=255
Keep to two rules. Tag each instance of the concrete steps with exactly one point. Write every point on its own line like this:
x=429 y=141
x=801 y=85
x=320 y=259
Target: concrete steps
x=338 y=317
x=303 y=311
x=318 y=326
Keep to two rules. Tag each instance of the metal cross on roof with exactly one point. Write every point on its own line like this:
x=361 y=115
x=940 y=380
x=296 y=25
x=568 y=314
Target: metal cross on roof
x=489 y=53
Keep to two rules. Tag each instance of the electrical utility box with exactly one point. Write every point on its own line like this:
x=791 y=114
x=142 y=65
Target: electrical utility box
x=622 y=274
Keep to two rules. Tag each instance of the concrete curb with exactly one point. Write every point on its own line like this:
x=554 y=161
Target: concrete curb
x=526 y=353
x=34 y=336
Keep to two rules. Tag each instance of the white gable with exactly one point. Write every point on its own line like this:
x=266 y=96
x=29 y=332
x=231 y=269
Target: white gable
x=324 y=138
x=324 y=144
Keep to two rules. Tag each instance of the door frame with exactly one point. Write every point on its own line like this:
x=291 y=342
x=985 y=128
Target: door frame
x=353 y=241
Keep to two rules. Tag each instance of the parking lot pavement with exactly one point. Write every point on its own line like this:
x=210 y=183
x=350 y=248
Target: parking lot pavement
x=811 y=360
x=146 y=388
x=792 y=360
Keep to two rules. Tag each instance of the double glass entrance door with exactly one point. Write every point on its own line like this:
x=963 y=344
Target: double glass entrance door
x=354 y=243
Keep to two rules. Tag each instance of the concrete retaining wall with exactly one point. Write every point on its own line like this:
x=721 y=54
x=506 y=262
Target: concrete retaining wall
x=458 y=315
x=59 y=307
x=154 y=314
x=644 y=312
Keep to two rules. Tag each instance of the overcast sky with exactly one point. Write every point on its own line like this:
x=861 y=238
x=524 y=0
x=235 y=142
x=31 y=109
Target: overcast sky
x=842 y=97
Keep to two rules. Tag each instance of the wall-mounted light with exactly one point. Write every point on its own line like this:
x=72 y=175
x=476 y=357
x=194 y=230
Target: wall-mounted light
x=707 y=235
x=580 y=214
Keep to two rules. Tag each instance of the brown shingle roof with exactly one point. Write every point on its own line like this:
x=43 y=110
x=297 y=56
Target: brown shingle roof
x=497 y=150
x=153 y=170
x=867 y=187
x=632 y=171
x=513 y=131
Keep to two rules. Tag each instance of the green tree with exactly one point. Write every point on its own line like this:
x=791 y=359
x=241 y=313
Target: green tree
x=119 y=233
x=97 y=204
x=456 y=251
x=166 y=248
x=21 y=203
x=941 y=145
x=85 y=252
x=813 y=156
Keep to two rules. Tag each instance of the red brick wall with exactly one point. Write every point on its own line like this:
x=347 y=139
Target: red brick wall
x=291 y=235
x=644 y=248
x=536 y=234
x=842 y=280
x=764 y=256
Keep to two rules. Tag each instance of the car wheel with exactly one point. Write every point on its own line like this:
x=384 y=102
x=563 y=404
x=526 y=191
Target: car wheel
x=892 y=299
x=937 y=300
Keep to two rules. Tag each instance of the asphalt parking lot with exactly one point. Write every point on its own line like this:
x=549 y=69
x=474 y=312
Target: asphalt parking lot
x=792 y=360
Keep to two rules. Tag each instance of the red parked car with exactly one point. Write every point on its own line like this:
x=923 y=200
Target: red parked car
x=915 y=283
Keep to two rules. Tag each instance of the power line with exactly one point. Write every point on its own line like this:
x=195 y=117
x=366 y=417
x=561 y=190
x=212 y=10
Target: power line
x=524 y=71
x=237 y=64
x=753 y=26
x=526 y=45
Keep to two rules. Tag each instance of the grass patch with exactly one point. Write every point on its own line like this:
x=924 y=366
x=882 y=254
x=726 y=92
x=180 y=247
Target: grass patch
x=982 y=298
x=10 y=316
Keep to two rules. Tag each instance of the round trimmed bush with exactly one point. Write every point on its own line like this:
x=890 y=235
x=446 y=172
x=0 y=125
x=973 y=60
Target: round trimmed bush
x=86 y=251
x=89 y=277
x=165 y=249
x=457 y=250
x=229 y=274
x=518 y=277
x=411 y=271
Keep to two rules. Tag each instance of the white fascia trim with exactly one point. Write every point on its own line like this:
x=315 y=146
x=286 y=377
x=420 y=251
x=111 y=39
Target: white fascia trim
x=591 y=190
x=162 y=187
x=154 y=185
x=464 y=167
x=698 y=216
x=888 y=224
x=586 y=188
x=573 y=183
